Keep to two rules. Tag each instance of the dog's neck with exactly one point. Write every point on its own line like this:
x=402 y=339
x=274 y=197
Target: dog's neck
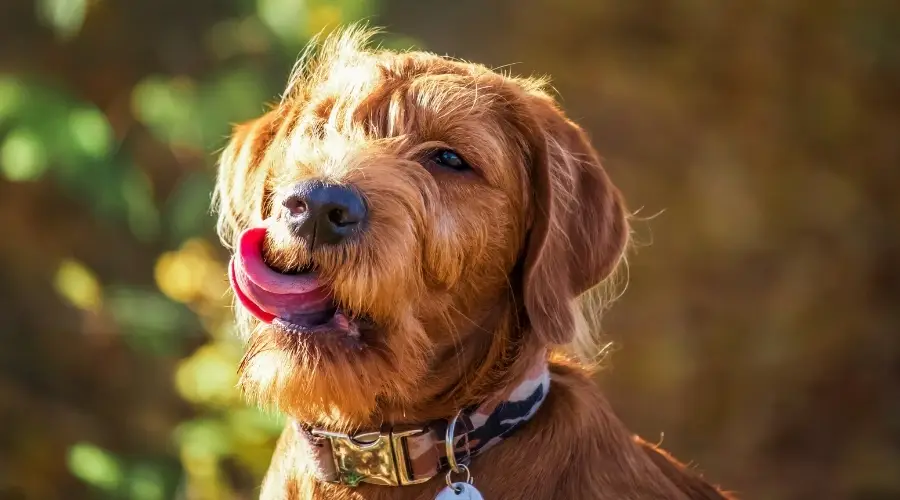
x=411 y=453
x=490 y=386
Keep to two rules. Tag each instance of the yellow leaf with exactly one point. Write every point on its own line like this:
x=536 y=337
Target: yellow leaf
x=77 y=284
x=185 y=275
x=208 y=376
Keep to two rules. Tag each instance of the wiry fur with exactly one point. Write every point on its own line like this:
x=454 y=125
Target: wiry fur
x=468 y=276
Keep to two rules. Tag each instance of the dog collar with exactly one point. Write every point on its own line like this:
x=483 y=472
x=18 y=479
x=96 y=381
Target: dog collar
x=407 y=454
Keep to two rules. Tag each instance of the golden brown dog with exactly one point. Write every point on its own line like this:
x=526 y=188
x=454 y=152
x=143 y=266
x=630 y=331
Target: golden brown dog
x=411 y=238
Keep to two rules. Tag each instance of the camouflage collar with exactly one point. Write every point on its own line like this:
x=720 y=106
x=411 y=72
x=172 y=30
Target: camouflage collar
x=408 y=454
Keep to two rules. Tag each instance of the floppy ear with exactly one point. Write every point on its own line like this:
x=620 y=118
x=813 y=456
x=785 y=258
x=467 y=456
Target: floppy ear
x=239 y=197
x=579 y=230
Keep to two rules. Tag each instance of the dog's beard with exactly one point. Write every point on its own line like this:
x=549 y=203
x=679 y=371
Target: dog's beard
x=312 y=382
x=312 y=373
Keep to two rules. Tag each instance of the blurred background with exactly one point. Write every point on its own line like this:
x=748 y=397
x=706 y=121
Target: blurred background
x=758 y=337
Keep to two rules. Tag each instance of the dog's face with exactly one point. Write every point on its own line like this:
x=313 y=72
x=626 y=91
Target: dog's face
x=401 y=222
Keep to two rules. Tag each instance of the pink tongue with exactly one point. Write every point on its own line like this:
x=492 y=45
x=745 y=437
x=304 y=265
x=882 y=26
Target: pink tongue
x=269 y=294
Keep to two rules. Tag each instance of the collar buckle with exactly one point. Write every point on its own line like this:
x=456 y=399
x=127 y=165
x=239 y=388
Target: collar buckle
x=379 y=457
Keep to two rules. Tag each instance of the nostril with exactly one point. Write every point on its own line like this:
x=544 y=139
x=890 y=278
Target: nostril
x=338 y=217
x=295 y=205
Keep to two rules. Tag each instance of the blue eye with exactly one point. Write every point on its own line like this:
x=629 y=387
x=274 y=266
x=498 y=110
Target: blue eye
x=448 y=158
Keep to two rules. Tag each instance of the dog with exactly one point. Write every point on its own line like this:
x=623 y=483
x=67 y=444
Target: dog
x=413 y=239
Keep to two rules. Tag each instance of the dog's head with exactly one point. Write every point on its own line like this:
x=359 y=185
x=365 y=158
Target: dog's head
x=406 y=229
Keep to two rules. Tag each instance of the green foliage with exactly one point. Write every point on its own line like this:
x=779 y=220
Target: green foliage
x=53 y=133
x=95 y=466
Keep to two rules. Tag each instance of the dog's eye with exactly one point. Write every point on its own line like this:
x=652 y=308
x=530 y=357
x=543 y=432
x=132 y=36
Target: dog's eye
x=450 y=159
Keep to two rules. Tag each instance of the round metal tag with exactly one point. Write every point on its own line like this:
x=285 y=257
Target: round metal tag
x=459 y=491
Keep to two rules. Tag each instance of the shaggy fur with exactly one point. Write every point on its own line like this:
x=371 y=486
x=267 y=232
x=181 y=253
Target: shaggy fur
x=468 y=275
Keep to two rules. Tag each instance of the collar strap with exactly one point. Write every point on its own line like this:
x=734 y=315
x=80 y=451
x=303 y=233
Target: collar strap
x=405 y=454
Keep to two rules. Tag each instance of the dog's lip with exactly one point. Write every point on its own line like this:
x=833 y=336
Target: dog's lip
x=337 y=323
x=268 y=294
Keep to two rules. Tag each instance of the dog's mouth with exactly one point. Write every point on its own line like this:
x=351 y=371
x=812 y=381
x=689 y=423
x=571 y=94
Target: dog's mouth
x=297 y=303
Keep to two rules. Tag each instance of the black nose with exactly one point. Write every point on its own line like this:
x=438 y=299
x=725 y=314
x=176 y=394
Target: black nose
x=322 y=213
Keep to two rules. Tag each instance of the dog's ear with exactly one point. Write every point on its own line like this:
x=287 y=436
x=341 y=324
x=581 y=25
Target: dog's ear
x=239 y=198
x=579 y=229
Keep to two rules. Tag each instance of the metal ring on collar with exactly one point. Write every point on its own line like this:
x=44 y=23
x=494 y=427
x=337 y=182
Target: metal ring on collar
x=448 y=443
x=449 y=478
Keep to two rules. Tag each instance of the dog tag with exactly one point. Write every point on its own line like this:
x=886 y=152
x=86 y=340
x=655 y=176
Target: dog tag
x=459 y=491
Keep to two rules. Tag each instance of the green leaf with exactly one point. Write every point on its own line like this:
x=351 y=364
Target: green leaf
x=95 y=466
x=64 y=16
x=91 y=132
x=22 y=156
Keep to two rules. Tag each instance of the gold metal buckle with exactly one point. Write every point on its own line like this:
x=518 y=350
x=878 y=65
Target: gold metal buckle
x=373 y=457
